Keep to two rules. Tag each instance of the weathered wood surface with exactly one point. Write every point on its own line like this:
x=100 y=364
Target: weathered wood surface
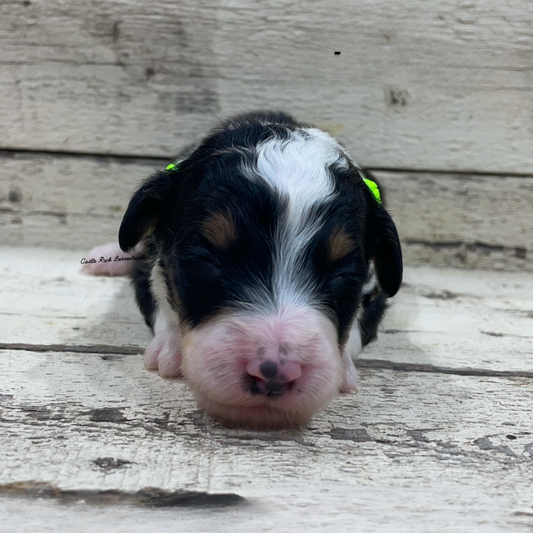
x=463 y=220
x=439 y=319
x=428 y=85
x=73 y=202
x=414 y=449
x=410 y=450
x=66 y=201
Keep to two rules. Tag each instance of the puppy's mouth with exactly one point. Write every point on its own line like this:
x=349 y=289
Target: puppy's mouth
x=265 y=405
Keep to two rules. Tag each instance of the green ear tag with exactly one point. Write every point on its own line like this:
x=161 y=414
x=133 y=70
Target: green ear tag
x=373 y=186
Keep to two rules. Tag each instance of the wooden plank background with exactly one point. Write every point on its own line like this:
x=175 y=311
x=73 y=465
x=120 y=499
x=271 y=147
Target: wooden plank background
x=75 y=202
x=436 y=93
x=435 y=84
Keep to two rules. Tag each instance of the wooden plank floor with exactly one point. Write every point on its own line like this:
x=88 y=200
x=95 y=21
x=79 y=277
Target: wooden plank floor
x=439 y=437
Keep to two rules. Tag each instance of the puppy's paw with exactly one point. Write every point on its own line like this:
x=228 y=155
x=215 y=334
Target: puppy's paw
x=106 y=265
x=163 y=354
x=350 y=378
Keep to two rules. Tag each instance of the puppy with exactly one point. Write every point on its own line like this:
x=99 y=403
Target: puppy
x=270 y=258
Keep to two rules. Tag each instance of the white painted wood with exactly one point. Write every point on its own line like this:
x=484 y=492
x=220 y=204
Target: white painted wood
x=299 y=506
x=449 y=208
x=38 y=183
x=445 y=318
x=412 y=452
x=410 y=447
x=428 y=85
x=463 y=220
x=60 y=232
x=73 y=202
x=46 y=299
x=463 y=319
x=66 y=202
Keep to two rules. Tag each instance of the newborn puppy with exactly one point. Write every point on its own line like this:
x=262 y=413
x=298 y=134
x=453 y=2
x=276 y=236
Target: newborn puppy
x=270 y=260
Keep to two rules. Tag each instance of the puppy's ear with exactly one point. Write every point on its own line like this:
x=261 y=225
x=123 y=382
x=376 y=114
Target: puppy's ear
x=142 y=213
x=384 y=246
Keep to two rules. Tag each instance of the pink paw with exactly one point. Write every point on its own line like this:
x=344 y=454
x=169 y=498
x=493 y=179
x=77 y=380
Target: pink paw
x=350 y=378
x=105 y=263
x=163 y=354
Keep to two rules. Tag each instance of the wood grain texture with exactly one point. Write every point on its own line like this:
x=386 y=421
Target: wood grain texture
x=66 y=201
x=428 y=85
x=411 y=451
x=463 y=220
x=318 y=507
x=73 y=202
x=409 y=445
x=441 y=319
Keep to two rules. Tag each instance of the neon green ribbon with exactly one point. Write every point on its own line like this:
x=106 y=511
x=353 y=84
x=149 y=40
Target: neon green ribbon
x=374 y=189
x=174 y=166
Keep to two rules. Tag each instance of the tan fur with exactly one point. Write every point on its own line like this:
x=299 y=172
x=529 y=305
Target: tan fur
x=340 y=244
x=220 y=229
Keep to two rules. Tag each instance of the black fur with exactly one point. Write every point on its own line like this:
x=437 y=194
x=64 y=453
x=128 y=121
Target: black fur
x=144 y=209
x=374 y=306
x=141 y=283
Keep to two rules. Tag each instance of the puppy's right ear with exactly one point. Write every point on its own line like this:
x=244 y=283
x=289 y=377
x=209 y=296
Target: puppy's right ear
x=382 y=240
x=141 y=216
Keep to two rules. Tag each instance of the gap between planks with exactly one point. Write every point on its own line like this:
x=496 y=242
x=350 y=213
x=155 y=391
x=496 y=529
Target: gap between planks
x=374 y=364
x=8 y=152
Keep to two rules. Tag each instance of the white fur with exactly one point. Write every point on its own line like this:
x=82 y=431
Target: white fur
x=216 y=357
x=371 y=280
x=354 y=345
x=296 y=168
x=350 y=378
x=164 y=352
x=166 y=318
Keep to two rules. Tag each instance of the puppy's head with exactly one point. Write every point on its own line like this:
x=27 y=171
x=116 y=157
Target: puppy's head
x=264 y=236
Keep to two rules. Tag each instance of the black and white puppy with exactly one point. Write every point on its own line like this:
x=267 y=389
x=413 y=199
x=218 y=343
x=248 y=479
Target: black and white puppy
x=270 y=261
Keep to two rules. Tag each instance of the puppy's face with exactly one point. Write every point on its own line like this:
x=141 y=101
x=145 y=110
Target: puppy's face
x=264 y=250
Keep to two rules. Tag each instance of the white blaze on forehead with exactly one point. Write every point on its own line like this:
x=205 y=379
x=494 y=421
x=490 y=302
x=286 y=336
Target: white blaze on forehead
x=298 y=169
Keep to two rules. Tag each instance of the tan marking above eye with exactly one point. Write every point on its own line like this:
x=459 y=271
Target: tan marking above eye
x=220 y=229
x=340 y=244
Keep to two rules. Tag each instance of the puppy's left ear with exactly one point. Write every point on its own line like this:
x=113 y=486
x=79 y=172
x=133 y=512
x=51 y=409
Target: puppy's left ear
x=384 y=246
x=143 y=209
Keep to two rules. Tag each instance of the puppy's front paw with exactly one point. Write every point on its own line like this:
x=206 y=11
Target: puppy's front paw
x=163 y=354
x=350 y=378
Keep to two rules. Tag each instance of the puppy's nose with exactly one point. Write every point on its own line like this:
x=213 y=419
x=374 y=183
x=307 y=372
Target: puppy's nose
x=268 y=369
x=271 y=378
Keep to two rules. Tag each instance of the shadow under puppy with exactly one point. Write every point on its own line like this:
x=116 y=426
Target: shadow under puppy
x=270 y=258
